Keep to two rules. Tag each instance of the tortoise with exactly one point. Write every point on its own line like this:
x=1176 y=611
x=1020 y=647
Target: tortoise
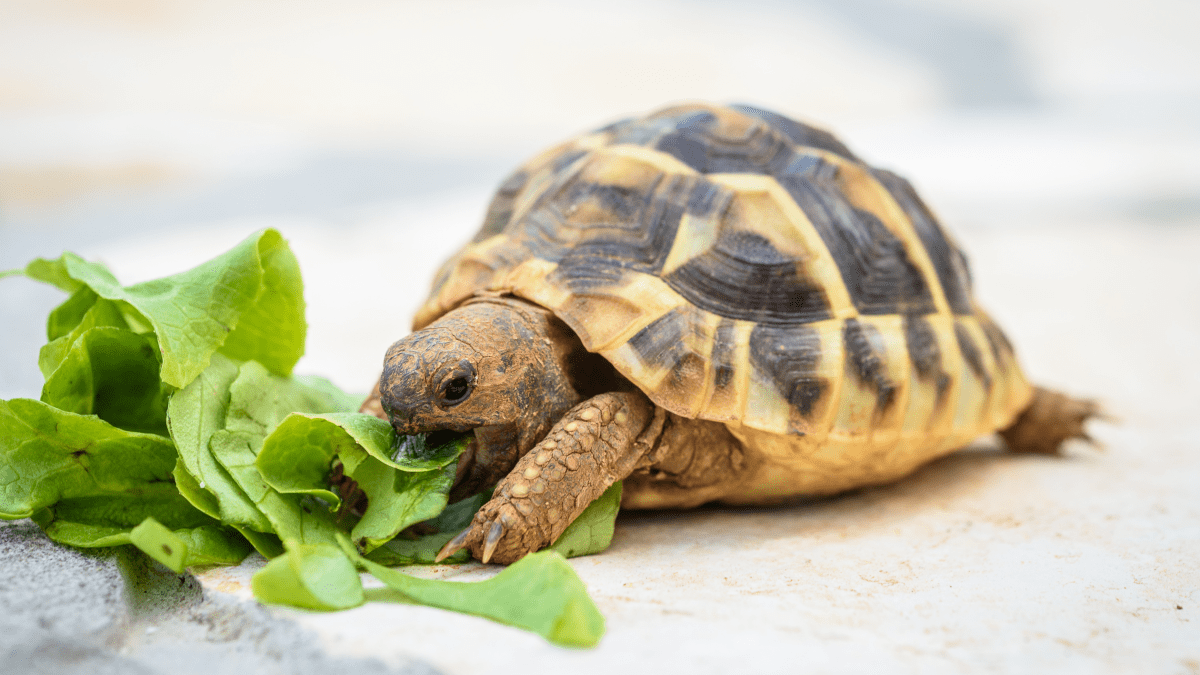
x=711 y=304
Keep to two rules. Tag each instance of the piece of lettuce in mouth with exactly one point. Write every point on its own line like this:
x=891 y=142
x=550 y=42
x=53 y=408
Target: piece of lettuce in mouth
x=170 y=421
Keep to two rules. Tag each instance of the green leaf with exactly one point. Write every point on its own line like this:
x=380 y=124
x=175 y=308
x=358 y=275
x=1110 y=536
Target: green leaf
x=296 y=458
x=312 y=576
x=592 y=531
x=160 y=543
x=48 y=455
x=111 y=373
x=194 y=414
x=264 y=542
x=420 y=551
x=220 y=422
x=221 y=340
x=539 y=593
x=272 y=329
x=189 y=488
x=52 y=272
x=260 y=401
x=458 y=515
x=377 y=438
x=101 y=313
x=397 y=499
x=247 y=303
x=64 y=318
x=88 y=484
x=293 y=519
x=106 y=520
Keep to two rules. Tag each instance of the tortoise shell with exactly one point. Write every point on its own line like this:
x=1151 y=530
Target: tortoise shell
x=741 y=267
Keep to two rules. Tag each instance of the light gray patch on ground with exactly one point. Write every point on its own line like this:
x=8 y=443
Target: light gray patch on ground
x=66 y=611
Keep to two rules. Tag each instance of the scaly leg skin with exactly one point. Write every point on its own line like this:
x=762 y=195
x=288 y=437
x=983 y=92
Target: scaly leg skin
x=1050 y=420
x=597 y=443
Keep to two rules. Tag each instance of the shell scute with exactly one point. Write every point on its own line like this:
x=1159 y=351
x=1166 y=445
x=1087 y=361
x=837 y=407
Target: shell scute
x=741 y=267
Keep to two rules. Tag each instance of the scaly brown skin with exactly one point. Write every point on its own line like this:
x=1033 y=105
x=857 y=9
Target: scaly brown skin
x=597 y=443
x=1051 y=419
x=502 y=368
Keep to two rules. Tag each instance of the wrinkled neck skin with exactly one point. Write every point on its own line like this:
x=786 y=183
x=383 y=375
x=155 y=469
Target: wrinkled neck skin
x=511 y=356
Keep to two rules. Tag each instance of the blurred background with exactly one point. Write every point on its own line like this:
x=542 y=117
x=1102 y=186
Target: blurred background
x=1059 y=141
x=152 y=134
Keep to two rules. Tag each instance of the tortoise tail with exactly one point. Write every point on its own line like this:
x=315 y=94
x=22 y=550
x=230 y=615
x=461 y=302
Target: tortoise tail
x=1051 y=419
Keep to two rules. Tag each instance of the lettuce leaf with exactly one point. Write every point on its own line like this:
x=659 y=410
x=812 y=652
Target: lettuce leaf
x=247 y=303
x=113 y=374
x=194 y=414
x=169 y=420
x=48 y=455
x=539 y=593
x=312 y=576
x=297 y=456
x=88 y=483
x=592 y=531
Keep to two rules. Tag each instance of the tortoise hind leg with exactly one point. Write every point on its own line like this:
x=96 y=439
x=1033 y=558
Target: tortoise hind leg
x=1051 y=419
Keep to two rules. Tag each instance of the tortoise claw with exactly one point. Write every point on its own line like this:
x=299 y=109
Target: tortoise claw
x=453 y=546
x=493 y=538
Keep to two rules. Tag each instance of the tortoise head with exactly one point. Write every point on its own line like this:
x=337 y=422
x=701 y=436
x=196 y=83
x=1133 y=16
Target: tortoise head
x=495 y=366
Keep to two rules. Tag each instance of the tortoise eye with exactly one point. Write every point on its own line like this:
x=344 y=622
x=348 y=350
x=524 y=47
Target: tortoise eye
x=456 y=390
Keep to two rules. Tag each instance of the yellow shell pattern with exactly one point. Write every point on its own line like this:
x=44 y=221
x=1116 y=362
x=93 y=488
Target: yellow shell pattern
x=742 y=267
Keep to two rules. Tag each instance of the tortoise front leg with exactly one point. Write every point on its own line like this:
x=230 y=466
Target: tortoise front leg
x=597 y=443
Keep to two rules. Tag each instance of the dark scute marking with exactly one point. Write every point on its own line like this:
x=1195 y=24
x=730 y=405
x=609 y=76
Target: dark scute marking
x=500 y=210
x=949 y=262
x=722 y=354
x=799 y=133
x=866 y=363
x=924 y=352
x=698 y=142
x=566 y=159
x=972 y=355
x=707 y=198
x=687 y=148
x=873 y=262
x=996 y=338
x=545 y=231
x=744 y=277
x=647 y=131
x=622 y=202
x=789 y=355
x=639 y=243
x=539 y=232
x=661 y=344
